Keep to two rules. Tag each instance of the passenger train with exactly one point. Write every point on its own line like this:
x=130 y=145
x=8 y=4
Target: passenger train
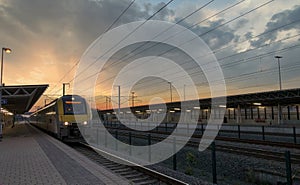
x=62 y=117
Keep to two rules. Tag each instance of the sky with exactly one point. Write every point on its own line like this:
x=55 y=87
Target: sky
x=48 y=38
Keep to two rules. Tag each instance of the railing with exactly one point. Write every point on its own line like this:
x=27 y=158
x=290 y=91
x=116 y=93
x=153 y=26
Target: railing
x=290 y=134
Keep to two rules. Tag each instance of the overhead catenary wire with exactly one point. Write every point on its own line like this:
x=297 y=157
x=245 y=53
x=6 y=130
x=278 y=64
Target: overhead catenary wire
x=271 y=53
x=119 y=17
x=252 y=37
x=234 y=79
x=211 y=30
x=241 y=75
x=197 y=10
x=173 y=35
x=190 y=14
x=61 y=79
x=106 y=30
x=207 y=62
x=128 y=35
x=227 y=22
x=164 y=31
x=233 y=63
x=258 y=35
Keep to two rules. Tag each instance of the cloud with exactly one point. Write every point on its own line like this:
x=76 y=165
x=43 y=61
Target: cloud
x=286 y=17
x=61 y=29
x=55 y=33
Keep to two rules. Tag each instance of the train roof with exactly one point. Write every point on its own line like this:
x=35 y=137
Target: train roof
x=66 y=97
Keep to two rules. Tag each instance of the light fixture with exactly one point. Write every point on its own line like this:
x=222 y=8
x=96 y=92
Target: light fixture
x=6 y=50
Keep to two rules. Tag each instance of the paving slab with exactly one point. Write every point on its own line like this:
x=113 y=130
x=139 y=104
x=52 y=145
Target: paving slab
x=28 y=156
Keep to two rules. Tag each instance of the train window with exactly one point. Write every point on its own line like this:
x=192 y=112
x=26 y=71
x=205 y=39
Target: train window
x=74 y=107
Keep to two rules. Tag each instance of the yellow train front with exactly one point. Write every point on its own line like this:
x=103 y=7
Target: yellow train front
x=63 y=116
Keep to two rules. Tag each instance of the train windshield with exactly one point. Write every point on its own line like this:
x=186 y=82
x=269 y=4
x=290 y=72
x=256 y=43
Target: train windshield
x=72 y=107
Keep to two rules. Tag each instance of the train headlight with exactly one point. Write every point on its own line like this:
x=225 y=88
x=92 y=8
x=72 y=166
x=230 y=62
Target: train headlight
x=85 y=122
x=66 y=123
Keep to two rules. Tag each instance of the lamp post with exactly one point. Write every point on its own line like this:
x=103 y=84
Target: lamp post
x=279 y=72
x=3 y=50
x=280 y=87
x=171 y=99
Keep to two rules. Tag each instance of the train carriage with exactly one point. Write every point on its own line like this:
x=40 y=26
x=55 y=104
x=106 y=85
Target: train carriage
x=63 y=116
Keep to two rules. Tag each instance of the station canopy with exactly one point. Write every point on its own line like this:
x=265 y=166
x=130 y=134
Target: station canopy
x=20 y=99
x=271 y=98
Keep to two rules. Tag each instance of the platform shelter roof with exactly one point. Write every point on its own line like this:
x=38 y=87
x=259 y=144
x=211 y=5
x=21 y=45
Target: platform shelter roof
x=19 y=99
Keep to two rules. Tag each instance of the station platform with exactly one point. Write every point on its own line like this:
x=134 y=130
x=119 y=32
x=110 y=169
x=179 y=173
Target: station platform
x=29 y=156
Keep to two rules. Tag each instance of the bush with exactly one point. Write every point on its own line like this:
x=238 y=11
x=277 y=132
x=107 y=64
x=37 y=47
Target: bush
x=191 y=162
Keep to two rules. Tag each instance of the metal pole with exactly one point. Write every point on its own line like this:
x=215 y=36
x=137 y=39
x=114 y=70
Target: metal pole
x=1 y=94
x=132 y=99
x=106 y=101
x=214 y=163
x=171 y=91
x=239 y=117
x=7 y=50
x=184 y=92
x=1 y=65
x=297 y=110
x=295 y=135
x=64 y=88
x=288 y=167
x=279 y=72
x=280 y=87
x=278 y=116
x=119 y=99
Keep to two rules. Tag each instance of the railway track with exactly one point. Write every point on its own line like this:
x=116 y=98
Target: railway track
x=264 y=154
x=136 y=174
x=258 y=153
x=220 y=138
x=238 y=150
